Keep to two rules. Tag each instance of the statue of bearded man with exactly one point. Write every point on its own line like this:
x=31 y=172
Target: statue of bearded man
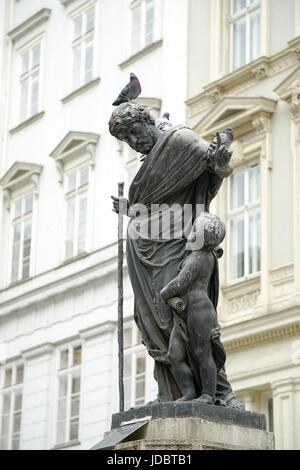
x=177 y=171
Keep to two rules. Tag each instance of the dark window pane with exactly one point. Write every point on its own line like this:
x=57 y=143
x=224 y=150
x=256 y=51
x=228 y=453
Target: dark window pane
x=74 y=428
x=20 y=374
x=8 y=377
x=77 y=355
x=75 y=385
x=140 y=365
x=64 y=357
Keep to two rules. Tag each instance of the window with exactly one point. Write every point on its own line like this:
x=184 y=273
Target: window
x=244 y=222
x=76 y=196
x=68 y=400
x=137 y=365
x=83 y=48
x=132 y=165
x=142 y=24
x=11 y=416
x=22 y=211
x=245 y=32
x=30 y=82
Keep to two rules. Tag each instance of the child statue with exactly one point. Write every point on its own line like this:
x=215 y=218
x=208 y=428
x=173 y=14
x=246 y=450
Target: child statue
x=195 y=337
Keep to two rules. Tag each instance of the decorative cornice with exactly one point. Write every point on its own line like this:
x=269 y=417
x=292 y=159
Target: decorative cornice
x=73 y=145
x=66 y=3
x=243 y=302
x=18 y=175
x=242 y=113
x=261 y=123
x=147 y=50
x=31 y=23
x=260 y=71
x=289 y=91
x=40 y=350
x=262 y=328
x=264 y=337
x=282 y=274
x=245 y=77
x=98 y=330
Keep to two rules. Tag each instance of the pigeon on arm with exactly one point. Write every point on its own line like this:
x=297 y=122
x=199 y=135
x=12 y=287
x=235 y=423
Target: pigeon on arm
x=219 y=155
x=131 y=91
x=225 y=137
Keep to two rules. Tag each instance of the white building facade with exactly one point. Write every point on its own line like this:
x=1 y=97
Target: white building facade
x=209 y=63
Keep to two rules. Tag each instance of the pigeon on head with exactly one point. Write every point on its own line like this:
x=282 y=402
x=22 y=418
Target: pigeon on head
x=131 y=91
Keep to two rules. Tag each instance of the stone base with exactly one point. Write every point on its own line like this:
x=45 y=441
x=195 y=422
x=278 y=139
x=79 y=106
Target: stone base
x=183 y=434
x=187 y=426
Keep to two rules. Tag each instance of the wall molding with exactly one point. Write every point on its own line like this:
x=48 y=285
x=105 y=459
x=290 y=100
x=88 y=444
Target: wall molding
x=31 y=23
x=98 y=330
x=240 y=80
x=39 y=350
x=142 y=53
x=18 y=175
x=243 y=113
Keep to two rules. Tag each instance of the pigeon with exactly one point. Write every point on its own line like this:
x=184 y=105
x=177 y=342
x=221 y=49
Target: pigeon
x=131 y=91
x=164 y=123
x=225 y=138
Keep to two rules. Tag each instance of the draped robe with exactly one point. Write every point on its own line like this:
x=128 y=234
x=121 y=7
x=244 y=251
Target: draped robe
x=176 y=171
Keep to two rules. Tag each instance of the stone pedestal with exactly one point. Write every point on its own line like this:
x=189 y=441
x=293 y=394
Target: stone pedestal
x=196 y=434
x=187 y=426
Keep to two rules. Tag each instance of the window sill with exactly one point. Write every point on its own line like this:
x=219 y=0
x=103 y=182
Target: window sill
x=28 y=122
x=247 y=280
x=142 y=53
x=81 y=90
x=66 y=444
x=20 y=281
x=75 y=258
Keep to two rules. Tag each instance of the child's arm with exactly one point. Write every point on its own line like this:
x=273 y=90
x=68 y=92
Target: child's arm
x=180 y=284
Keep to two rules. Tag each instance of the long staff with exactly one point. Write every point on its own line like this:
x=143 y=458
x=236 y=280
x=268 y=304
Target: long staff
x=120 y=297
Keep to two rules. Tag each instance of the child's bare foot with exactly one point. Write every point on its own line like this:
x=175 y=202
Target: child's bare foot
x=209 y=400
x=187 y=398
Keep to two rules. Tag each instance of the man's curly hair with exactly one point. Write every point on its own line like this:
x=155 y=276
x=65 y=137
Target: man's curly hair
x=125 y=115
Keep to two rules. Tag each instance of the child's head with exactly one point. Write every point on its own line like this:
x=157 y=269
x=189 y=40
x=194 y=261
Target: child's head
x=208 y=232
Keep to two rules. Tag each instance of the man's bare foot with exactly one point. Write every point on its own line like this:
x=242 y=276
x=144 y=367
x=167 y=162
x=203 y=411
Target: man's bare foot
x=208 y=399
x=187 y=398
x=235 y=403
x=220 y=402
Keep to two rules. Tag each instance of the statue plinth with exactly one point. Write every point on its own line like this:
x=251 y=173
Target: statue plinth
x=187 y=426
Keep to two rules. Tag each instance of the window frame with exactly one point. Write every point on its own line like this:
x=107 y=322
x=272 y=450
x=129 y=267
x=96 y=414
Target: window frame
x=69 y=371
x=12 y=390
x=244 y=210
x=135 y=350
x=76 y=166
x=94 y=33
x=143 y=43
x=22 y=194
x=132 y=163
x=233 y=18
x=28 y=48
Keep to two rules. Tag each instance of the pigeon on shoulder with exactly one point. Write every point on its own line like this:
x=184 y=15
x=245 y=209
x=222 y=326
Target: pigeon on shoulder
x=164 y=123
x=131 y=91
x=224 y=138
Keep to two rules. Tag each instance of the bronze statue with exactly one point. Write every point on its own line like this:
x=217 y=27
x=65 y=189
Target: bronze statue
x=195 y=349
x=177 y=169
